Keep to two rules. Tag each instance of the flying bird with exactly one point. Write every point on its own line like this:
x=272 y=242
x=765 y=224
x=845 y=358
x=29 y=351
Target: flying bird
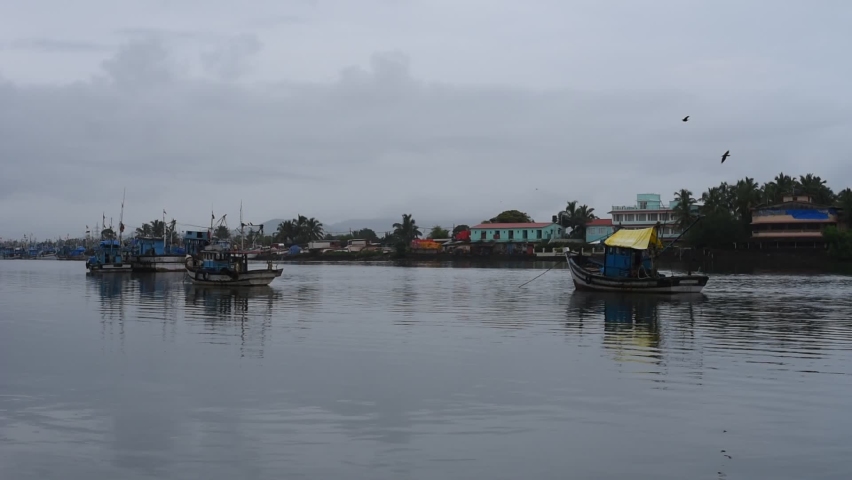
x=685 y=118
x=726 y=155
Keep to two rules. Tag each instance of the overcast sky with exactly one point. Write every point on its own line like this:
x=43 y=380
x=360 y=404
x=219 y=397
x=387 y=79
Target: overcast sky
x=373 y=108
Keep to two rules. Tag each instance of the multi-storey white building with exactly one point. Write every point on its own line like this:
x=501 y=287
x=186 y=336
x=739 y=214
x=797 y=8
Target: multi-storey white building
x=649 y=210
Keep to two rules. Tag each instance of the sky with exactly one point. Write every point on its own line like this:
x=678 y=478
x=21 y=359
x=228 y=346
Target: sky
x=443 y=109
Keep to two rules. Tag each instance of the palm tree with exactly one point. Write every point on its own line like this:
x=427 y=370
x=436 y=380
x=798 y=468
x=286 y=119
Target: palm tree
x=768 y=193
x=157 y=228
x=717 y=200
x=785 y=185
x=286 y=232
x=683 y=211
x=582 y=216
x=815 y=187
x=407 y=230
x=310 y=229
x=747 y=195
x=144 y=230
x=844 y=201
x=566 y=217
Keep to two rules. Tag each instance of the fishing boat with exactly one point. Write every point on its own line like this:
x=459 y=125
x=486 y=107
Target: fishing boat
x=218 y=265
x=630 y=266
x=212 y=261
x=157 y=254
x=109 y=257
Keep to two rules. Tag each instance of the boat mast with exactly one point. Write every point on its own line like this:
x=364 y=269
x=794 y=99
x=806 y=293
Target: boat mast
x=121 y=218
x=242 y=229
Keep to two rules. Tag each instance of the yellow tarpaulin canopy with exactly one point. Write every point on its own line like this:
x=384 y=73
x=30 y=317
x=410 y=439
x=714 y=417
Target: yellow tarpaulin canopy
x=635 y=239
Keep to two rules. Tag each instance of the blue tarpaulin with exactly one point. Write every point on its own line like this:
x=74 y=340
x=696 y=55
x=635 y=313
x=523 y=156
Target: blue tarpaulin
x=808 y=214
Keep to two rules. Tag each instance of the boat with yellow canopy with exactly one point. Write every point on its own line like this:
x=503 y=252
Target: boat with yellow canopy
x=630 y=266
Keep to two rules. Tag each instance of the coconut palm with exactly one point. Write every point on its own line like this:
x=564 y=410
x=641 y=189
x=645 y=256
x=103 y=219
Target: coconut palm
x=844 y=201
x=582 y=216
x=144 y=230
x=310 y=229
x=566 y=217
x=815 y=186
x=683 y=211
x=747 y=195
x=286 y=232
x=786 y=185
x=407 y=230
x=718 y=199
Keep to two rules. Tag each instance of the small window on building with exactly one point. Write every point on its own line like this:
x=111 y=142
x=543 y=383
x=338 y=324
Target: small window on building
x=538 y=234
x=616 y=218
x=643 y=205
x=629 y=217
x=526 y=234
x=511 y=234
x=652 y=217
x=641 y=217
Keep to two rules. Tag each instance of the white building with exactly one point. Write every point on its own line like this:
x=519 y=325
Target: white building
x=649 y=210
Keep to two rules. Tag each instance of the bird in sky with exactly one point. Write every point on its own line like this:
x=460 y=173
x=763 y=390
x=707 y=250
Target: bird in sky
x=685 y=118
x=726 y=155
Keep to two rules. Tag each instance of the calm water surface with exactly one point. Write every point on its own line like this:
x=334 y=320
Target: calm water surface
x=381 y=372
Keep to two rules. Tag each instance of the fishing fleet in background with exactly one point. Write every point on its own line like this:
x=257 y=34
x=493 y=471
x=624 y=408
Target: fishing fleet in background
x=207 y=260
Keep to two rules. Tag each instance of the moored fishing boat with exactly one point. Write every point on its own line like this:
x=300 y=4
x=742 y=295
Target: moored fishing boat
x=630 y=266
x=108 y=258
x=157 y=253
x=216 y=264
x=109 y=255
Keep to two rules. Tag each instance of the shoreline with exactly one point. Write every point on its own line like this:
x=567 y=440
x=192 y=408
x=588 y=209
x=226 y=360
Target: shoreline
x=709 y=261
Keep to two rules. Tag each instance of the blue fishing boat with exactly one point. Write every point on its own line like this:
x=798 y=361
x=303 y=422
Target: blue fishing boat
x=212 y=261
x=156 y=255
x=629 y=266
x=109 y=257
x=217 y=264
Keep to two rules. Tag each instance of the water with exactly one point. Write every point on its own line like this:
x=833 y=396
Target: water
x=381 y=372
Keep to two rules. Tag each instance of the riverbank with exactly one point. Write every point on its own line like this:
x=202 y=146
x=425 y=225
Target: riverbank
x=709 y=261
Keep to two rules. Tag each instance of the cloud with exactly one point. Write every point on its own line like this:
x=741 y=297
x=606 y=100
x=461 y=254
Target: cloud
x=53 y=45
x=178 y=117
x=229 y=60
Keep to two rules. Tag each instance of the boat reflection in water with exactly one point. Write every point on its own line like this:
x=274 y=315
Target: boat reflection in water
x=634 y=325
x=228 y=312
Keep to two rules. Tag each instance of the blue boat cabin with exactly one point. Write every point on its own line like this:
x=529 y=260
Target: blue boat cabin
x=155 y=246
x=626 y=262
x=195 y=241
x=108 y=252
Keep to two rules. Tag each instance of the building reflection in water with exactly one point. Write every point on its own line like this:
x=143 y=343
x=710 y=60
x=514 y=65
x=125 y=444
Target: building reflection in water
x=223 y=308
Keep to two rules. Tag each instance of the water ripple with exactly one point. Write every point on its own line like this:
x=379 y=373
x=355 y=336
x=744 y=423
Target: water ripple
x=381 y=371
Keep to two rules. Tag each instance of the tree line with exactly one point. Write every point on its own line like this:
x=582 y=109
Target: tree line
x=727 y=208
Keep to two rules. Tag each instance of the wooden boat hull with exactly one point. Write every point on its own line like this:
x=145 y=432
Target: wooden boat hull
x=109 y=268
x=585 y=280
x=158 y=263
x=251 y=278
